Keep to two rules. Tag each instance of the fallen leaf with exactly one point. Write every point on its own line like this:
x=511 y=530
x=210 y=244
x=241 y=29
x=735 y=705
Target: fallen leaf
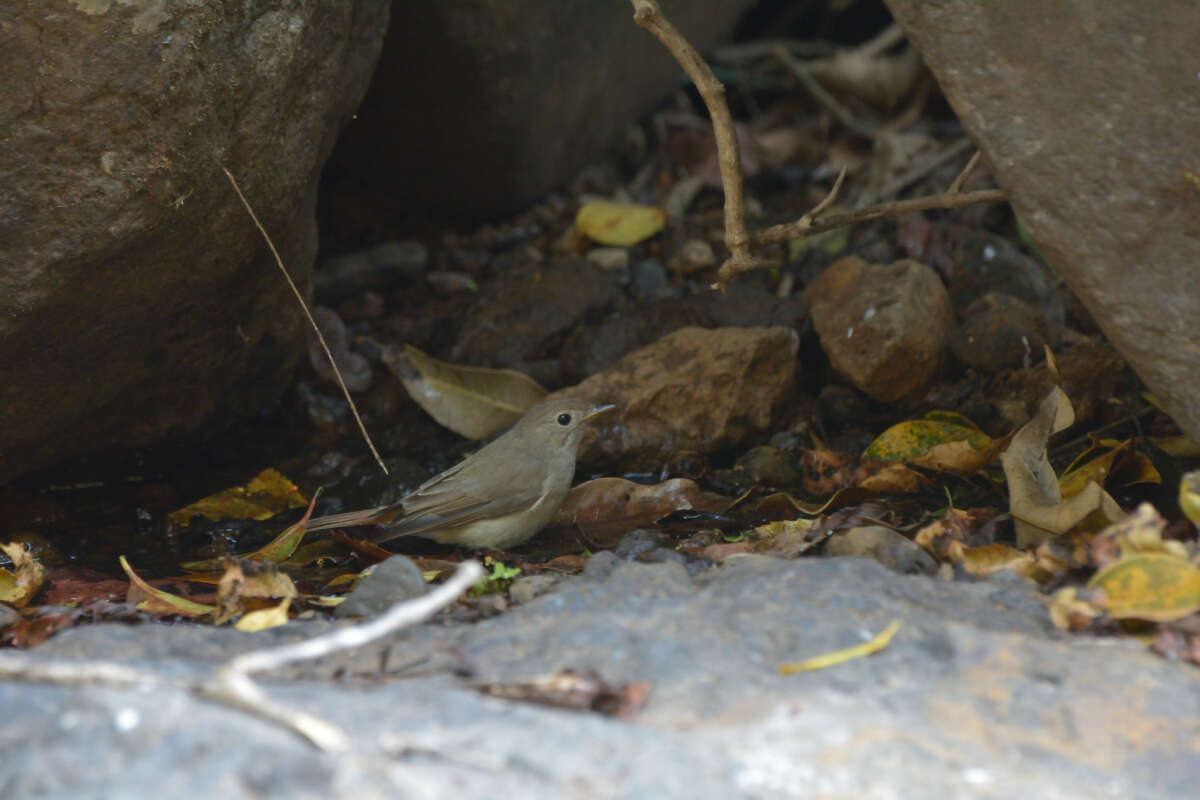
x=265 y=618
x=267 y=494
x=244 y=580
x=278 y=549
x=20 y=585
x=1073 y=610
x=618 y=224
x=1189 y=496
x=607 y=508
x=474 y=402
x=1035 y=499
x=948 y=443
x=841 y=656
x=1157 y=587
x=156 y=601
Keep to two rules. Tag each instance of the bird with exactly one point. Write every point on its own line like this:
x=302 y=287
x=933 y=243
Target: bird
x=497 y=497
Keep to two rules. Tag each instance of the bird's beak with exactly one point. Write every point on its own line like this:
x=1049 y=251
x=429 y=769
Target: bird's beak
x=597 y=411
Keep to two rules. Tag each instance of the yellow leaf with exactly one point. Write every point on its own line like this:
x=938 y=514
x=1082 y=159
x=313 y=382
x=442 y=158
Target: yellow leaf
x=839 y=656
x=265 y=618
x=278 y=549
x=1151 y=586
x=267 y=494
x=938 y=444
x=1189 y=496
x=619 y=224
x=157 y=601
x=18 y=587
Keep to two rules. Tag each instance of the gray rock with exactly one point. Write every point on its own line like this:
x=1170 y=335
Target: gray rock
x=648 y=279
x=506 y=106
x=975 y=696
x=124 y=252
x=1113 y=99
x=387 y=583
x=527 y=587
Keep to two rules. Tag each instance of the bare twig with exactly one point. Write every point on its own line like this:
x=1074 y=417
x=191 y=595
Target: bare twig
x=232 y=685
x=956 y=187
x=794 y=230
x=737 y=237
x=916 y=173
x=820 y=93
x=311 y=321
x=648 y=15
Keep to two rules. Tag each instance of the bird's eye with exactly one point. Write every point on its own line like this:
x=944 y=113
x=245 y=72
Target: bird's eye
x=564 y=419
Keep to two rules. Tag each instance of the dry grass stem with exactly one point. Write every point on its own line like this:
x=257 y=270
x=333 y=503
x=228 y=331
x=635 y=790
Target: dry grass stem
x=300 y=299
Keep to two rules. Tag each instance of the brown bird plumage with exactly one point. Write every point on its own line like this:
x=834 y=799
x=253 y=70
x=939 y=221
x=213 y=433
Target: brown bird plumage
x=500 y=495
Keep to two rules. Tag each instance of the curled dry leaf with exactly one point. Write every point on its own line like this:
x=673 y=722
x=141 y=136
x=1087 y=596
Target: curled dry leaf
x=474 y=402
x=1035 y=499
x=607 y=508
x=265 y=618
x=941 y=441
x=20 y=585
x=244 y=580
x=156 y=601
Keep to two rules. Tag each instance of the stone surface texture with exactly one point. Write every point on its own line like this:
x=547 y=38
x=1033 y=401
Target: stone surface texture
x=696 y=389
x=1087 y=115
x=975 y=697
x=136 y=295
x=886 y=328
x=480 y=106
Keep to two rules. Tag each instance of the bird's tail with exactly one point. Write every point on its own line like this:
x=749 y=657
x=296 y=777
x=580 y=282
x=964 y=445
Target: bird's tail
x=369 y=516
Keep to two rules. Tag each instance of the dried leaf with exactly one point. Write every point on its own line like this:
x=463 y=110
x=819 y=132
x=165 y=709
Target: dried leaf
x=841 y=656
x=265 y=618
x=267 y=494
x=280 y=548
x=156 y=601
x=1035 y=500
x=1157 y=587
x=940 y=442
x=1070 y=610
x=619 y=224
x=474 y=402
x=1189 y=496
x=607 y=508
x=20 y=585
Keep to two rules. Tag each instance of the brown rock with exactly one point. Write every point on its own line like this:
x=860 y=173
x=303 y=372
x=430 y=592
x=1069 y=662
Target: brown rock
x=695 y=389
x=885 y=328
x=136 y=295
x=526 y=318
x=1089 y=122
x=999 y=331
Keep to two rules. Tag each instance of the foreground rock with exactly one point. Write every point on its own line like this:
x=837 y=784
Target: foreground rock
x=1099 y=161
x=974 y=697
x=136 y=296
x=695 y=389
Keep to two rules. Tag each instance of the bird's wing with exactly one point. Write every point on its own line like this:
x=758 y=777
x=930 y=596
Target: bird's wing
x=460 y=496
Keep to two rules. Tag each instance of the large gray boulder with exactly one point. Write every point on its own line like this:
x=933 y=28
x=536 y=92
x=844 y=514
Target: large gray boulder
x=1088 y=115
x=136 y=296
x=480 y=106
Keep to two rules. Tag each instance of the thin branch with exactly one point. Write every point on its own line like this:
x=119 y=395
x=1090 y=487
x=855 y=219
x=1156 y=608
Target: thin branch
x=320 y=336
x=737 y=238
x=232 y=685
x=956 y=187
x=648 y=15
x=820 y=93
x=794 y=230
x=916 y=173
